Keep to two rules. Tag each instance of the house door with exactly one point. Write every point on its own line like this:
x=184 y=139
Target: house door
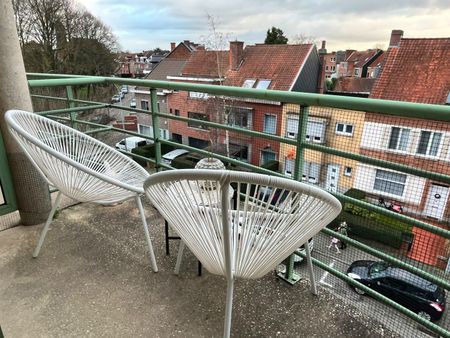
x=436 y=201
x=332 y=180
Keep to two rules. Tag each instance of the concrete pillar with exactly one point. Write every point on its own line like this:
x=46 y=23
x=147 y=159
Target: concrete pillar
x=32 y=194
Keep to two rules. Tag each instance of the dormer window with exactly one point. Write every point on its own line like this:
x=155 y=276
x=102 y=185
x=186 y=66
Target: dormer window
x=263 y=84
x=249 y=83
x=257 y=84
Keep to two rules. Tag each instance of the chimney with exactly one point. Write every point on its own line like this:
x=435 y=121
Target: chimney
x=235 y=54
x=323 y=50
x=396 y=36
x=172 y=46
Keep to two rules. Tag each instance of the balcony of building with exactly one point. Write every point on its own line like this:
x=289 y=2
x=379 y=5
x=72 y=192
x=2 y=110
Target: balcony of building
x=93 y=278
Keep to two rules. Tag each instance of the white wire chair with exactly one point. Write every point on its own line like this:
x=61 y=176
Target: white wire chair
x=272 y=217
x=79 y=166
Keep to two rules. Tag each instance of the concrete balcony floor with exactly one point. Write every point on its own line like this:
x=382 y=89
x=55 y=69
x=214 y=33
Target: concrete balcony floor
x=93 y=279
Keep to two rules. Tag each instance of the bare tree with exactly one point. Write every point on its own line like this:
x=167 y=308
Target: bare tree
x=300 y=38
x=55 y=33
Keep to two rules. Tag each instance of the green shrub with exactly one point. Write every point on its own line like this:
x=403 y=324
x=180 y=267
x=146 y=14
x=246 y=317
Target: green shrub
x=374 y=226
x=149 y=151
x=356 y=194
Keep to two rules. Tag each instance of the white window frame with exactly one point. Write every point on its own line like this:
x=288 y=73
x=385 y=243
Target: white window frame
x=241 y=110
x=401 y=135
x=322 y=137
x=147 y=105
x=264 y=124
x=249 y=83
x=292 y=134
x=430 y=142
x=389 y=193
x=344 y=132
x=289 y=174
x=348 y=171
x=307 y=168
x=263 y=81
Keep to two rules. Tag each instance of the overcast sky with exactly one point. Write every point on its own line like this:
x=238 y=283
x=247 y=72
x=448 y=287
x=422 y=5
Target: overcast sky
x=356 y=24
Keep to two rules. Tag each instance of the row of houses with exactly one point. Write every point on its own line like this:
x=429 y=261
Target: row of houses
x=414 y=70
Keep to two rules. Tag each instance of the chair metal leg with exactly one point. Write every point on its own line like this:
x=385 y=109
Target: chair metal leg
x=228 y=308
x=179 y=257
x=310 y=269
x=147 y=234
x=47 y=224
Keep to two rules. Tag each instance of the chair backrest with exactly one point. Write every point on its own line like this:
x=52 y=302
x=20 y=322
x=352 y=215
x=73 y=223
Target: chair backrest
x=270 y=219
x=78 y=165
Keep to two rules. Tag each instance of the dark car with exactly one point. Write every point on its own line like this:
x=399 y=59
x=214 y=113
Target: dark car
x=407 y=289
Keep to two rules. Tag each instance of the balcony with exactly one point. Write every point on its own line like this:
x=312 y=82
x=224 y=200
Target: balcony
x=93 y=289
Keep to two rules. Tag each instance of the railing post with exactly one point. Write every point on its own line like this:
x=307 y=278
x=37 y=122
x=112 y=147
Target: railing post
x=71 y=104
x=290 y=276
x=156 y=130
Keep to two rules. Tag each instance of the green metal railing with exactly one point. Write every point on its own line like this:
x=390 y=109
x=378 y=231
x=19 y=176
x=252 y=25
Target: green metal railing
x=304 y=100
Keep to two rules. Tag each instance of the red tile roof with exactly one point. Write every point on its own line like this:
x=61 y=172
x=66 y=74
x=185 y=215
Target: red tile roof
x=378 y=60
x=278 y=63
x=362 y=57
x=416 y=71
x=204 y=63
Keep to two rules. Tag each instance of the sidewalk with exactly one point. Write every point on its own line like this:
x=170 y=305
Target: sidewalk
x=92 y=279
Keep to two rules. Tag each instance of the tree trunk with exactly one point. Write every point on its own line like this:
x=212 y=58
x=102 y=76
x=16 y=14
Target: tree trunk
x=32 y=193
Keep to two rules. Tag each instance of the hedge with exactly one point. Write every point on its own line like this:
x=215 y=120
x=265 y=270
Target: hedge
x=149 y=151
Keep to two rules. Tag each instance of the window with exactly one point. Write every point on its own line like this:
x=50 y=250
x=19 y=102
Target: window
x=344 y=129
x=311 y=172
x=291 y=127
x=239 y=117
x=178 y=138
x=145 y=130
x=399 y=138
x=239 y=152
x=197 y=143
x=144 y=105
x=333 y=68
x=177 y=112
x=263 y=84
x=260 y=84
x=356 y=71
x=197 y=116
x=429 y=143
x=389 y=182
x=326 y=67
x=270 y=124
x=315 y=132
x=289 y=165
x=267 y=156
x=170 y=111
x=348 y=171
x=249 y=83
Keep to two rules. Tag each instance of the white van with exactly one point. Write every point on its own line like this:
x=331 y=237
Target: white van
x=168 y=157
x=130 y=143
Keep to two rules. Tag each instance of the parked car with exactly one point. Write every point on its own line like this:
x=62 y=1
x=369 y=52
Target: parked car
x=130 y=143
x=121 y=94
x=124 y=89
x=407 y=289
x=115 y=98
x=133 y=103
x=168 y=157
